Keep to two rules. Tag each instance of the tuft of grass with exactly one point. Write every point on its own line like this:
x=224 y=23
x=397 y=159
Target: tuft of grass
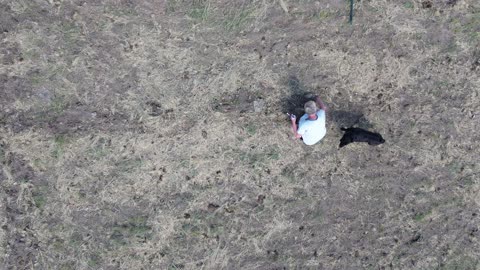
x=171 y=6
x=469 y=27
x=39 y=200
x=58 y=148
x=251 y=129
x=58 y=104
x=71 y=32
x=200 y=11
x=322 y=15
x=94 y=260
x=134 y=227
x=421 y=216
x=237 y=20
x=273 y=153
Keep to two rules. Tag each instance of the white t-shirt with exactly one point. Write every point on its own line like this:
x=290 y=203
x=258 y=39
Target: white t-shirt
x=312 y=131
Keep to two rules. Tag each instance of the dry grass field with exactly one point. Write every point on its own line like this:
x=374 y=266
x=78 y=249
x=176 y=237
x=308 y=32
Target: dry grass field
x=152 y=134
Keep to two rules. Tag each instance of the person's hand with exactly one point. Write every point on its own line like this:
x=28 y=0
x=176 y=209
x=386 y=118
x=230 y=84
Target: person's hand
x=293 y=117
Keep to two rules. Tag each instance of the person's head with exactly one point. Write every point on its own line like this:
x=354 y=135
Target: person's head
x=310 y=107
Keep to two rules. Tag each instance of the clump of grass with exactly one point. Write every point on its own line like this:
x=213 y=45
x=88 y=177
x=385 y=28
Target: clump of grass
x=469 y=27
x=58 y=104
x=236 y=20
x=322 y=15
x=39 y=200
x=171 y=6
x=94 y=260
x=200 y=11
x=251 y=129
x=58 y=147
x=134 y=227
x=422 y=216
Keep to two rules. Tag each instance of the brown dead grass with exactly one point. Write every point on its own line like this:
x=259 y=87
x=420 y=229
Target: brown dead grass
x=94 y=176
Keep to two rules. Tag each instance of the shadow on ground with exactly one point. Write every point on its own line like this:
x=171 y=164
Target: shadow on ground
x=347 y=116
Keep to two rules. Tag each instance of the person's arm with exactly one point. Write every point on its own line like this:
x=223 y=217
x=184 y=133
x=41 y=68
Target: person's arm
x=293 y=118
x=320 y=103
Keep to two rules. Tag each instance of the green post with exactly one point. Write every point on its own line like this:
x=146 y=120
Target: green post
x=351 y=12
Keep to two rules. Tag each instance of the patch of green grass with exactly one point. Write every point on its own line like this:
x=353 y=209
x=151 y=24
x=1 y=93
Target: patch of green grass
x=469 y=27
x=76 y=239
x=58 y=104
x=322 y=15
x=172 y=6
x=408 y=5
x=67 y=266
x=236 y=20
x=94 y=260
x=273 y=153
x=58 y=146
x=134 y=227
x=58 y=244
x=461 y=263
x=251 y=129
x=100 y=149
x=120 y=10
x=289 y=173
x=128 y=165
x=70 y=31
x=455 y=167
x=200 y=11
x=250 y=158
x=467 y=181
x=39 y=200
x=421 y=216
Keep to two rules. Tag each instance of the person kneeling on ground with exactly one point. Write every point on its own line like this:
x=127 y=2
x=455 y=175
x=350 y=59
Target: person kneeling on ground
x=311 y=127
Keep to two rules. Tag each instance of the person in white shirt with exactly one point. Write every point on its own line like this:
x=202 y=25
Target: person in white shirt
x=311 y=127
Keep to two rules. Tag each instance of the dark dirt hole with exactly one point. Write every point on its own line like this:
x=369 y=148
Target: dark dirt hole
x=155 y=108
x=452 y=2
x=415 y=238
x=427 y=4
x=260 y=199
x=212 y=207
